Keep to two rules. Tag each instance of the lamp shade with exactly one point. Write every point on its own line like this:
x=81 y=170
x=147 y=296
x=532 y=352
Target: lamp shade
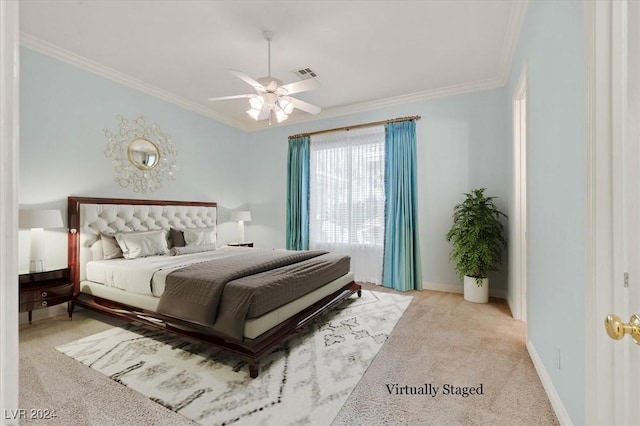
x=29 y=219
x=238 y=216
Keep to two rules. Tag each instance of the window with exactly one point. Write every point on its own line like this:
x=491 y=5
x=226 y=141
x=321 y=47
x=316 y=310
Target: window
x=347 y=197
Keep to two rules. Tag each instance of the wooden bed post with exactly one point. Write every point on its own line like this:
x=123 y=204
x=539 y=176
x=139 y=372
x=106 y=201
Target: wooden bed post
x=254 y=368
x=73 y=244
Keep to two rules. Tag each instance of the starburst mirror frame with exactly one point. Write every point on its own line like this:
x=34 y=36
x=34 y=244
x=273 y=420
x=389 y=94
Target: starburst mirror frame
x=142 y=156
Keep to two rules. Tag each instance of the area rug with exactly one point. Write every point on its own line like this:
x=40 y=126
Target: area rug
x=304 y=381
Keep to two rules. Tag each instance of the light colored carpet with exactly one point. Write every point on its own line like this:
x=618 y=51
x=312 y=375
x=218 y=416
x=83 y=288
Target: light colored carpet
x=306 y=379
x=443 y=339
x=440 y=339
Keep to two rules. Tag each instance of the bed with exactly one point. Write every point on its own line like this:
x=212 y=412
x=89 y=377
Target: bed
x=158 y=263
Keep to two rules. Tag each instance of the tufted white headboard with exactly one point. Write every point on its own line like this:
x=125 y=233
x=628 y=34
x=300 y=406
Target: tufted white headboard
x=89 y=216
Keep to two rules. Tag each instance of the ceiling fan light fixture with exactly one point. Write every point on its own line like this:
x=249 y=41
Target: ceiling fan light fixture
x=270 y=99
x=281 y=115
x=254 y=113
x=286 y=105
x=256 y=102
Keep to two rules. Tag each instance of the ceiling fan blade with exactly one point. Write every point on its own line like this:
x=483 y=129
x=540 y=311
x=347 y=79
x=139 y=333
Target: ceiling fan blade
x=250 y=81
x=300 y=86
x=305 y=106
x=223 y=98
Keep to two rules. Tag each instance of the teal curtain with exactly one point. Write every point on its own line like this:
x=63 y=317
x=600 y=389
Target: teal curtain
x=401 y=262
x=298 y=194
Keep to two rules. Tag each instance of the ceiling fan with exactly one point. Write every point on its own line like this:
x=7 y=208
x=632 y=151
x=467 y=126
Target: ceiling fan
x=272 y=97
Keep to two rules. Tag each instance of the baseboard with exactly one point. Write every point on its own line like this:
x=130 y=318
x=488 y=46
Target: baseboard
x=511 y=304
x=554 y=398
x=458 y=288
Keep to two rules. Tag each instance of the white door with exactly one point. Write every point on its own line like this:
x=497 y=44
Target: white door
x=625 y=188
x=612 y=57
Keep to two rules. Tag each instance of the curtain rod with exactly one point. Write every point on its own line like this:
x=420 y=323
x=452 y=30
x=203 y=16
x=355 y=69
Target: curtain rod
x=357 y=126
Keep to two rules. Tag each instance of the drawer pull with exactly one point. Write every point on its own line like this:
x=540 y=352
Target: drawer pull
x=44 y=294
x=44 y=303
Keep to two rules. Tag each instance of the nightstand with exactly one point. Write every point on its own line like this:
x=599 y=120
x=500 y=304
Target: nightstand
x=39 y=290
x=245 y=244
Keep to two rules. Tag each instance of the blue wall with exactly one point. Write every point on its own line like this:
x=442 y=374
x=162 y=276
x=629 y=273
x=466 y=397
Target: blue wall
x=63 y=111
x=552 y=45
x=463 y=143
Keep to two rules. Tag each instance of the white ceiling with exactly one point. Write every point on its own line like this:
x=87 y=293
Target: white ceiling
x=367 y=54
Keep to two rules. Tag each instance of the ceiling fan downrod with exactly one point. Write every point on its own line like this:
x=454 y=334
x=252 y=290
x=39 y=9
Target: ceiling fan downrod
x=267 y=36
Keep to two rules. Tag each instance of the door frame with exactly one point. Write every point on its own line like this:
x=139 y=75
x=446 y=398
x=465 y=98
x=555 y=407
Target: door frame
x=9 y=158
x=631 y=201
x=518 y=249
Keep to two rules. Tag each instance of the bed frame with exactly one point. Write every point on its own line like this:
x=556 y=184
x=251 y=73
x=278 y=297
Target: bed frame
x=249 y=350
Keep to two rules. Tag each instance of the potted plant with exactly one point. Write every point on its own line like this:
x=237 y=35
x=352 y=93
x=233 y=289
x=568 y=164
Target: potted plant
x=476 y=235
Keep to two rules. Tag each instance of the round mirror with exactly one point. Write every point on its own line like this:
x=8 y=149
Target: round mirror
x=143 y=154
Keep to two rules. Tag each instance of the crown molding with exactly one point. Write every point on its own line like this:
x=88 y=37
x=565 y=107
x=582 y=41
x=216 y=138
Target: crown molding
x=48 y=49
x=458 y=89
x=425 y=95
x=514 y=28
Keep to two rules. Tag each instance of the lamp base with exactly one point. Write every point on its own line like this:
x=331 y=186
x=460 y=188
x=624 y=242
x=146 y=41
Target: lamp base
x=36 y=255
x=37 y=265
x=241 y=231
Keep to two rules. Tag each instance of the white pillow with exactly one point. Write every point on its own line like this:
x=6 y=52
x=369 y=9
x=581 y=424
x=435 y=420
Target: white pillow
x=142 y=243
x=110 y=247
x=96 y=250
x=199 y=236
x=177 y=251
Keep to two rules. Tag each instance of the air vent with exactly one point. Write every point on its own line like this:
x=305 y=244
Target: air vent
x=305 y=73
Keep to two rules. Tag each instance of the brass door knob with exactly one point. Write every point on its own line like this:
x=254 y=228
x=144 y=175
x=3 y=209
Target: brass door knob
x=616 y=329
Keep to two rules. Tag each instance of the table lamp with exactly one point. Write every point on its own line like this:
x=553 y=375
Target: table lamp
x=37 y=221
x=241 y=217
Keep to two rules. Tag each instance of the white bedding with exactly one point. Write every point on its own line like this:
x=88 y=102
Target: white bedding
x=147 y=275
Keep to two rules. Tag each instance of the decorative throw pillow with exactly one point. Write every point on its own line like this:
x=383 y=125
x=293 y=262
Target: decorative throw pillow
x=177 y=251
x=142 y=243
x=96 y=250
x=199 y=236
x=176 y=238
x=110 y=247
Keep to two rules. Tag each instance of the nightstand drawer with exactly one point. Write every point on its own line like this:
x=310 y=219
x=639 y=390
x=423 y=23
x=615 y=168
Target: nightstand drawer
x=47 y=294
x=32 y=305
